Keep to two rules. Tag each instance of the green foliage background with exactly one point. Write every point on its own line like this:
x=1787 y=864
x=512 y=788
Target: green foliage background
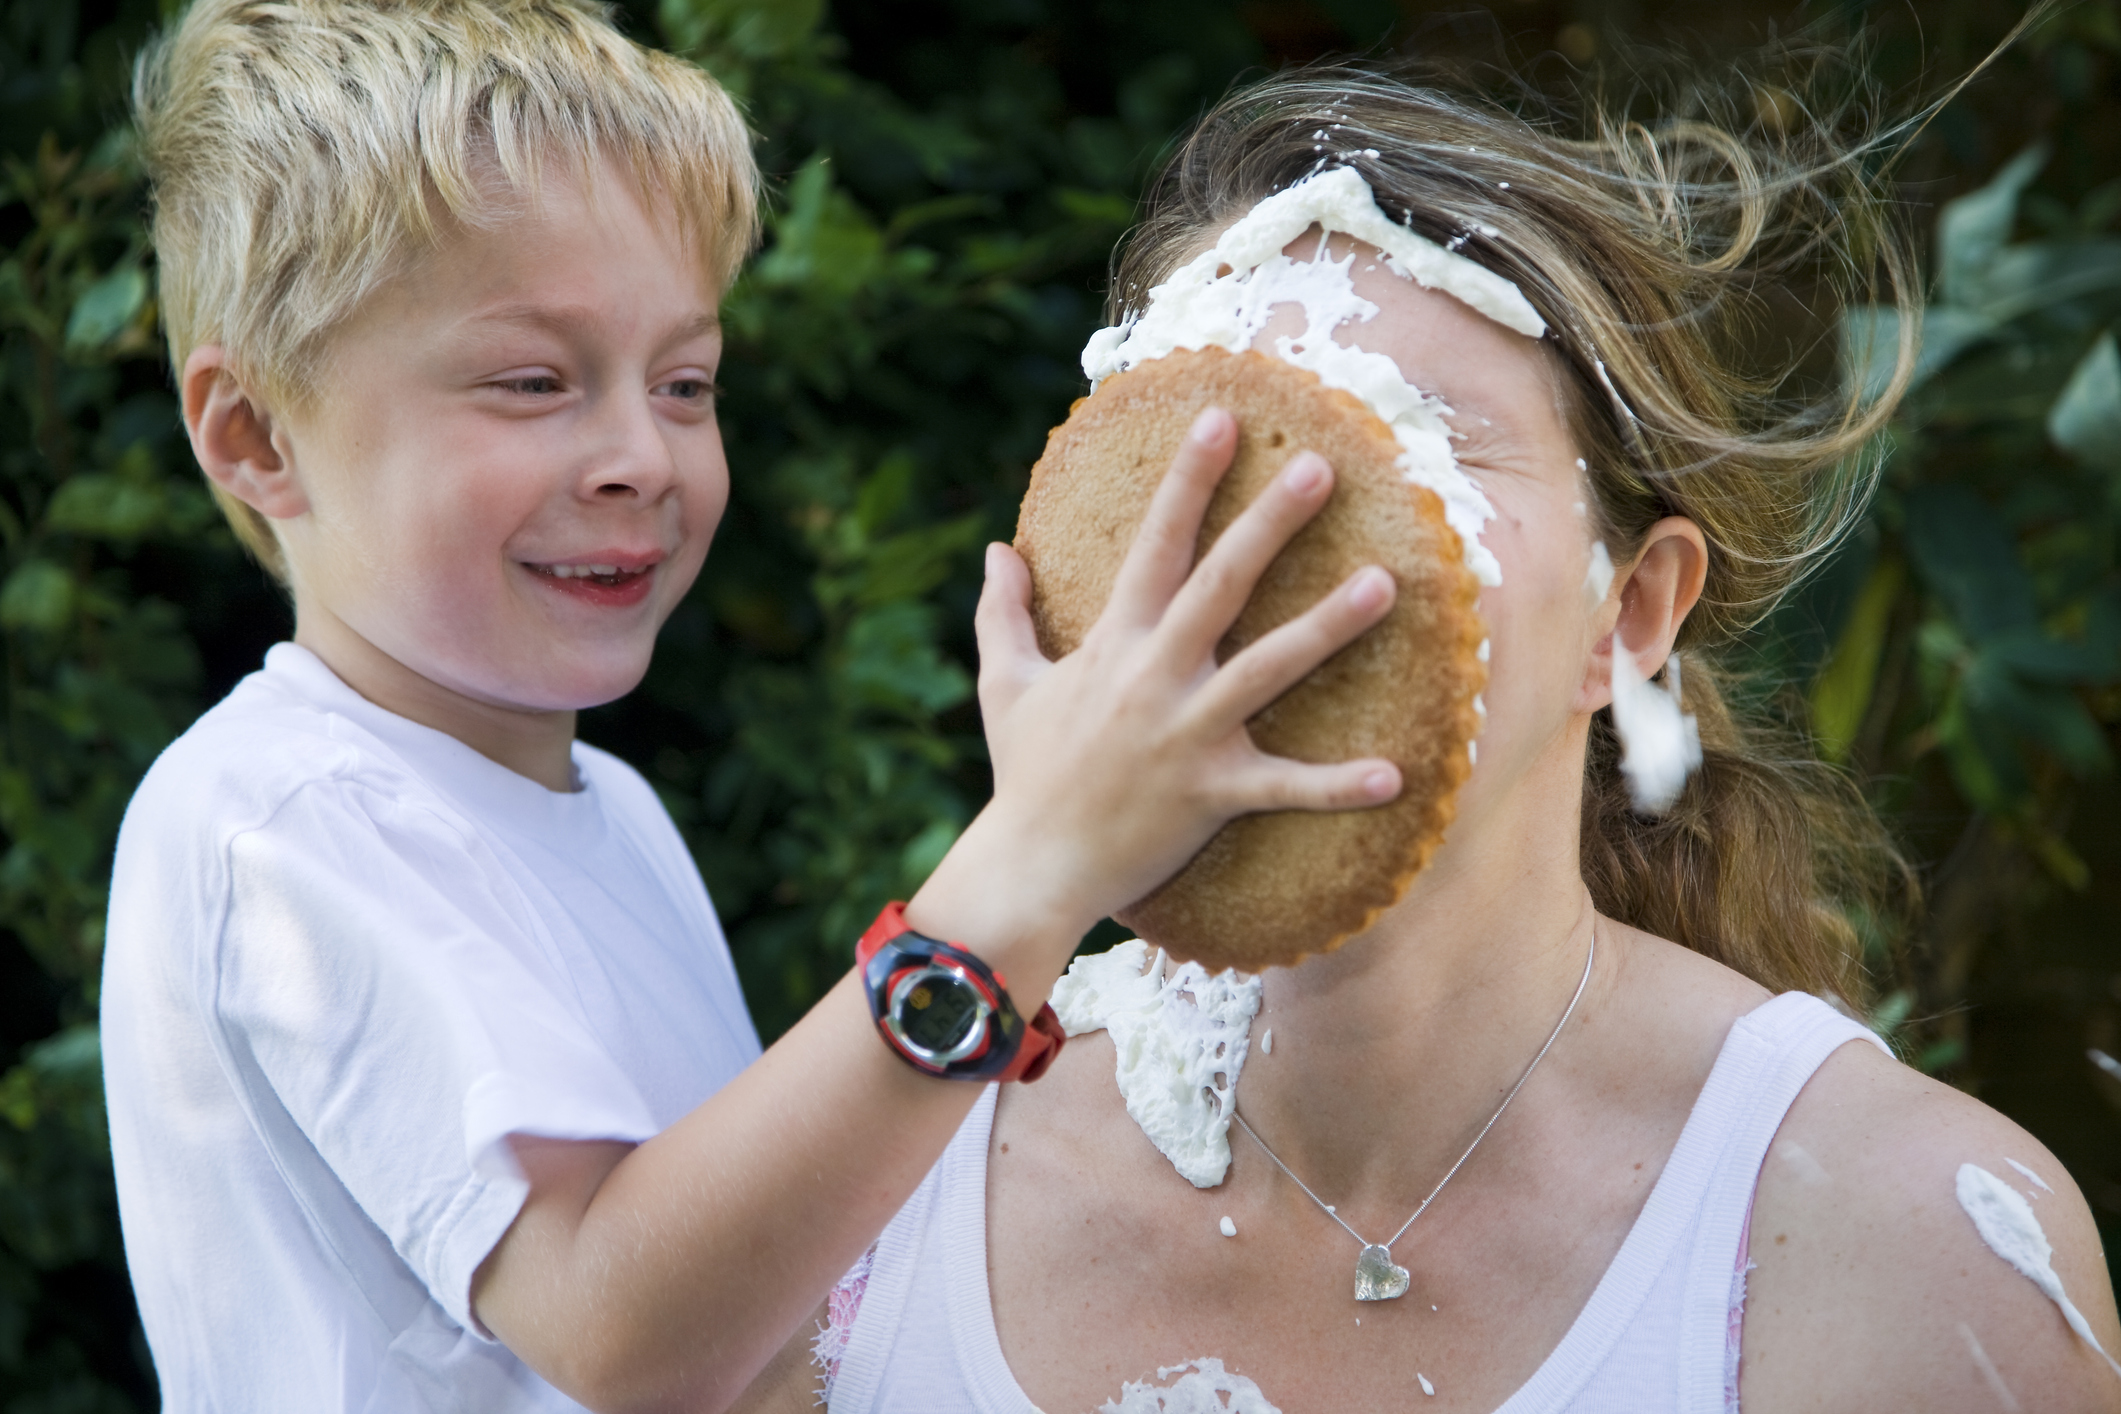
x=950 y=175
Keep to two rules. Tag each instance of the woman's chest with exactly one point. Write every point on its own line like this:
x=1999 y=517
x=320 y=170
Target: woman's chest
x=1105 y=1270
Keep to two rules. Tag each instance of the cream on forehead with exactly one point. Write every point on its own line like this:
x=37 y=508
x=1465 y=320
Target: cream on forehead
x=1340 y=200
x=1225 y=297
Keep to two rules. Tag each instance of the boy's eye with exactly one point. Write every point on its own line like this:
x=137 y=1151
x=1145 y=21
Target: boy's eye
x=537 y=385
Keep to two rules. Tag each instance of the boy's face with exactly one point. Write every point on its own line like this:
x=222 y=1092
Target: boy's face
x=512 y=471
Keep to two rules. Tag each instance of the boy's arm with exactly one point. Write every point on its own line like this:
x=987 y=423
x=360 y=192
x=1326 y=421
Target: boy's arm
x=667 y=1275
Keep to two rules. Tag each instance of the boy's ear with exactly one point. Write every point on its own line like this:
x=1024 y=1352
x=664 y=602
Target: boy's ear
x=1657 y=592
x=233 y=436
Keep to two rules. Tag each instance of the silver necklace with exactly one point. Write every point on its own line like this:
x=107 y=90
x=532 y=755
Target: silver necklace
x=1377 y=1277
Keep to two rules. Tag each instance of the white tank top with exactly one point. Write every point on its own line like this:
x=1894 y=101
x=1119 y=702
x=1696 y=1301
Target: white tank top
x=1659 y=1332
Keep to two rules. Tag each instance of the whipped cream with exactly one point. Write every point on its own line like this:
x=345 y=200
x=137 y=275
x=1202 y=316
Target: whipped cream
x=1659 y=743
x=2025 y=1173
x=1203 y=1387
x=2006 y=1223
x=1598 y=579
x=1179 y=1042
x=1226 y=296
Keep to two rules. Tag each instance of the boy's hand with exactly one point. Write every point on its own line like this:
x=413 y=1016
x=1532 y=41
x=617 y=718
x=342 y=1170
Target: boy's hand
x=1113 y=766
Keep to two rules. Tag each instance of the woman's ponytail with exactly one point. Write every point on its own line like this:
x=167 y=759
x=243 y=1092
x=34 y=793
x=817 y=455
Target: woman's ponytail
x=1770 y=862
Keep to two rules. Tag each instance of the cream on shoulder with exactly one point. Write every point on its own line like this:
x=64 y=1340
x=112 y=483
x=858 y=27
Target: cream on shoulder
x=2008 y=1225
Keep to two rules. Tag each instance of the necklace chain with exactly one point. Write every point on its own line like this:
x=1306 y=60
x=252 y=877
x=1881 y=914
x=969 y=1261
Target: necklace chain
x=1552 y=1037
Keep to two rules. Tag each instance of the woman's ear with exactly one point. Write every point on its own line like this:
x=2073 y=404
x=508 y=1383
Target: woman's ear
x=1656 y=593
x=233 y=436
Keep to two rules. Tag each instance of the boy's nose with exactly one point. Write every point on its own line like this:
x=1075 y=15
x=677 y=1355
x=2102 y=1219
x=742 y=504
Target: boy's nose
x=632 y=456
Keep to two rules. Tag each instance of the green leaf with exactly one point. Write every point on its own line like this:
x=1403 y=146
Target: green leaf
x=2035 y=656
x=926 y=850
x=1097 y=208
x=904 y=566
x=1959 y=546
x=39 y=595
x=1973 y=229
x=106 y=308
x=111 y=507
x=2038 y=274
x=2086 y=420
x=884 y=494
x=891 y=661
x=1842 y=693
x=1870 y=343
x=2007 y=712
x=908 y=219
x=751 y=30
x=1941 y=1055
x=1892 y=1013
x=74 y=1055
x=823 y=242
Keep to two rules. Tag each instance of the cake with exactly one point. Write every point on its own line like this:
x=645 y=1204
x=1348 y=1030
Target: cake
x=1271 y=888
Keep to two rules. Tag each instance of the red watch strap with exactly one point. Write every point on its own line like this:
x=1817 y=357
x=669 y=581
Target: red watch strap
x=889 y=923
x=1043 y=1038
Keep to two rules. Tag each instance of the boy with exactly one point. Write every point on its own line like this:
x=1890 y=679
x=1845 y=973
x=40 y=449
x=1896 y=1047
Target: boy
x=430 y=1084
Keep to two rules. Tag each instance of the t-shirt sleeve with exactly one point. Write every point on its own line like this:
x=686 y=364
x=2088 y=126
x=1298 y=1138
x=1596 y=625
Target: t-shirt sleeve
x=407 y=1010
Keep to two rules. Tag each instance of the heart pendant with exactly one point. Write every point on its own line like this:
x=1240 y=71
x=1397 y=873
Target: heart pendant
x=1376 y=1278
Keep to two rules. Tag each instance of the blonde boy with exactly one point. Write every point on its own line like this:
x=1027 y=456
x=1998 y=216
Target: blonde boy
x=430 y=1084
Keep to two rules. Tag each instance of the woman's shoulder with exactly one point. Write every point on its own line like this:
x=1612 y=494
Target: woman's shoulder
x=1873 y=1281
x=1872 y=1286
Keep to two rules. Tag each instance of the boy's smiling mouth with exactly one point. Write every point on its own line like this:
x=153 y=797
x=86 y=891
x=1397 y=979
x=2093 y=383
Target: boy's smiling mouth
x=610 y=581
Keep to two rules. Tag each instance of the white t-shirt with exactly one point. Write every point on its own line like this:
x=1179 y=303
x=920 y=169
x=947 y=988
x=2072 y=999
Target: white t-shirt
x=347 y=957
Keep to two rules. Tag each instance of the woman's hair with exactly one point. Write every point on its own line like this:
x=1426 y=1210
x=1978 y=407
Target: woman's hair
x=1649 y=248
x=302 y=150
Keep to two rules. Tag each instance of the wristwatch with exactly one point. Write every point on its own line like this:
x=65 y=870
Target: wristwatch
x=946 y=1013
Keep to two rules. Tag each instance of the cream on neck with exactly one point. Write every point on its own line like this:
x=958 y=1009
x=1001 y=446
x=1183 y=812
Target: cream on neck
x=1226 y=296
x=1180 y=1045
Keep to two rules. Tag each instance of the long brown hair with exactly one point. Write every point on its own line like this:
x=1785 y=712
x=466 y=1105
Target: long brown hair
x=1646 y=246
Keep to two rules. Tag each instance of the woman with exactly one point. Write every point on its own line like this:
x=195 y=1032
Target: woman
x=1644 y=1180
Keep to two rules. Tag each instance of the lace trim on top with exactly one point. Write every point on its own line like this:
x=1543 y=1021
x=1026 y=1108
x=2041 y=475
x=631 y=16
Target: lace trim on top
x=830 y=1345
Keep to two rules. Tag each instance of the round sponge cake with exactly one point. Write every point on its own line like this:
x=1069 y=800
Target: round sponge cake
x=1271 y=888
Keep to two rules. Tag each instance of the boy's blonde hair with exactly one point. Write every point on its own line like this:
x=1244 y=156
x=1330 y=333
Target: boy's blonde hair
x=300 y=150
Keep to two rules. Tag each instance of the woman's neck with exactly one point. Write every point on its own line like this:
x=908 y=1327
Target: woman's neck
x=1390 y=1054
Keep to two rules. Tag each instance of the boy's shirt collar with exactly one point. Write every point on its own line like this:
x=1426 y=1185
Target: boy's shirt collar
x=492 y=792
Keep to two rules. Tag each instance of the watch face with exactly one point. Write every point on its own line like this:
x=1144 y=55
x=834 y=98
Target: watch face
x=938 y=1013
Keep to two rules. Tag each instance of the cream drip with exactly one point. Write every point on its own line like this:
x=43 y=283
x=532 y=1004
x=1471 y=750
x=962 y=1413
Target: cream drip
x=2006 y=1223
x=1179 y=1046
x=2029 y=1176
x=1203 y=1387
x=1225 y=298
x=1598 y=579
